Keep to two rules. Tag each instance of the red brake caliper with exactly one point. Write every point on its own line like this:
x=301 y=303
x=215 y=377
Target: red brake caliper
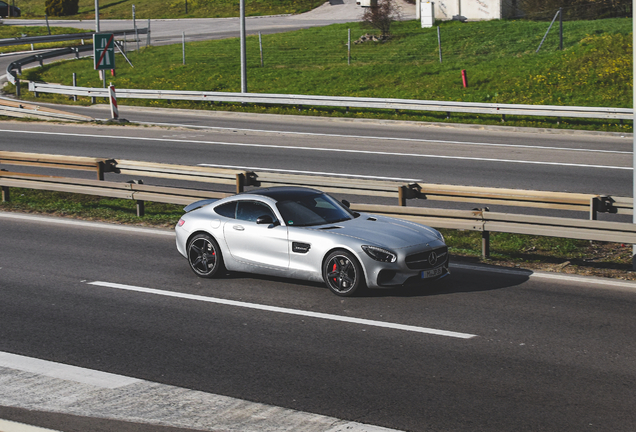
x=334 y=270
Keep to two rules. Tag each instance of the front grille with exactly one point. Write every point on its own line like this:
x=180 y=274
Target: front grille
x=426 y=260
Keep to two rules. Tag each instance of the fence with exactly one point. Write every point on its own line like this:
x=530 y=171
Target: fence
x=474 y=220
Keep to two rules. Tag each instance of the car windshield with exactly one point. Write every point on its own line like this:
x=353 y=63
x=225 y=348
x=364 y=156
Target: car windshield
x=311 y=210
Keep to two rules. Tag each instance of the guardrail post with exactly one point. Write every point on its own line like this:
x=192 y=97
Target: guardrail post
x=485 y=244
x=402 y=194
x=240 y=182
x=100 y=170
x=141 y=208
x=6 y=196
x=594 y=204
x=17 y=88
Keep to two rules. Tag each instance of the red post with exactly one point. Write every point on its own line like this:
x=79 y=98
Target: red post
x=464 y=78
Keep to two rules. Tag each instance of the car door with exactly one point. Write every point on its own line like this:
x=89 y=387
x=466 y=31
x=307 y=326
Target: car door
x=263 y=245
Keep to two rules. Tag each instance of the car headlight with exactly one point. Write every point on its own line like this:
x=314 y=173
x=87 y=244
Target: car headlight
x=441 y=237
x=380 y=254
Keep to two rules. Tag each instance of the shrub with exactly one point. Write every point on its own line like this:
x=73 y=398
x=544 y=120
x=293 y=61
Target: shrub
x=61 y=7
x=381 y=16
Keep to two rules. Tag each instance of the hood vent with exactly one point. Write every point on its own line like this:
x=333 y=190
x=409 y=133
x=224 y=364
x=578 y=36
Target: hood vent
x=330 y=228
x=371 y=218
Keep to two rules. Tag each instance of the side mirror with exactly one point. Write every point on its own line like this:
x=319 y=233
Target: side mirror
x=346 y=203
x=265 y=220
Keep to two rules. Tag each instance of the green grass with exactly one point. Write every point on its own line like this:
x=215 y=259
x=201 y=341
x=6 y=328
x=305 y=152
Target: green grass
x=594 y=69
x=154 y=9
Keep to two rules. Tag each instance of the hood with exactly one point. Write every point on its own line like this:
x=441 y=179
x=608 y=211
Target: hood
x=384 y=231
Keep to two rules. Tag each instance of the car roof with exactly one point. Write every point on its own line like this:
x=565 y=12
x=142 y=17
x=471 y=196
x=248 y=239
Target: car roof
x=284 y=193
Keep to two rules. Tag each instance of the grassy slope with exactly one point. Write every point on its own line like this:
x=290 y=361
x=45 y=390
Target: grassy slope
x=594 y=69
x=154 y=9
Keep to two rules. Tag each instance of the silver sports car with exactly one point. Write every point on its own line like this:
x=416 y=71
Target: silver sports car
x=306 y=234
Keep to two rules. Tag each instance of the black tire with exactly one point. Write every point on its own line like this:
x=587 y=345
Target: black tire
x=204 y=256
x=343 y=274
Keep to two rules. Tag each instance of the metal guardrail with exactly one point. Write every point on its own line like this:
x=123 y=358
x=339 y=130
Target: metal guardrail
x=486 y=222
x=591 y=203
x=12 y=76
x=13 y=108
x=475 y=220
x=348 y=102
x=63 y=37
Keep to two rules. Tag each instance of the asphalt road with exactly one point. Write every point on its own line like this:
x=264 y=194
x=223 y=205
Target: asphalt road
x=547 y=354
x=579 y=162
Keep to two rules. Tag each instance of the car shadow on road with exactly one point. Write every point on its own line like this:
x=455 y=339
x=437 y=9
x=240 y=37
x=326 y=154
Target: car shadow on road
x=464 y=279
x=460 y=280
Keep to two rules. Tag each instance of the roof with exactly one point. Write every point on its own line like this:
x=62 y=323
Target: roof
x=284 y=193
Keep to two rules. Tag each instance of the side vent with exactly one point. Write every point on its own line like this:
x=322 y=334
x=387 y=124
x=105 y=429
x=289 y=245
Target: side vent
x=371 y=218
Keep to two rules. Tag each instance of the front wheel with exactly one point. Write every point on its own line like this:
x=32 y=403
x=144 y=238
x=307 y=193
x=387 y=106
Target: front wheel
x=342 y=273
x=204 y=256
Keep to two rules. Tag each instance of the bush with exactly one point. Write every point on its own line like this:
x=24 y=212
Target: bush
x=61 y=7
x=381 y=16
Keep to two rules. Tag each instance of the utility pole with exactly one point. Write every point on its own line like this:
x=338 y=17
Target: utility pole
x=96 y=16
x=634 y=143
x=243 y=55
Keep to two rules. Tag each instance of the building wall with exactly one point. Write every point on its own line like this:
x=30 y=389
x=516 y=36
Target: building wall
x=473 y=9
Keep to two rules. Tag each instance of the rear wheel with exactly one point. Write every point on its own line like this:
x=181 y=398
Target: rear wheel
x=204 y=256
x=343 y=274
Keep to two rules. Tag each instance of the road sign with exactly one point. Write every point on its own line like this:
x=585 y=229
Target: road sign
x=104 y=51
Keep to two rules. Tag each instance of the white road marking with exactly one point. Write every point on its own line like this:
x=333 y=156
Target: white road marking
x=86 y=224
x=9 y=426
x=65 y=372
x=285 y=310
x=142 y=401
x=330 y=150
x=370 y=137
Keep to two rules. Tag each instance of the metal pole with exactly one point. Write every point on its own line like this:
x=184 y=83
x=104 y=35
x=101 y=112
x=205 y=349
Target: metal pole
x=74 y=85
x=634 y=143
x=186 y=2
x=349 y=48
x=183 y=45
x=96 y=16
x=135 y=26
x=546 y=33
x=260 y=47
x=148 y=34
x=243 y=53
x=561 y=29
x=47 y=23
x=439 y=43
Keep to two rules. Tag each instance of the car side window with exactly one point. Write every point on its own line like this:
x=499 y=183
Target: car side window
x=228 y=209
x=252 y=210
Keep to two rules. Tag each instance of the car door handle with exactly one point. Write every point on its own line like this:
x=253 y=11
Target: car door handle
x=239 y=227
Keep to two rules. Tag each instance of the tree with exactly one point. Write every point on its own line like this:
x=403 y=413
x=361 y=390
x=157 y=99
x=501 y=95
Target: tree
x=381 y=16
x=61 y=7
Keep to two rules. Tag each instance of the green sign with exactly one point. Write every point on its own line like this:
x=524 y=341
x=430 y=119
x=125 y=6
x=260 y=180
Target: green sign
x=104 y=51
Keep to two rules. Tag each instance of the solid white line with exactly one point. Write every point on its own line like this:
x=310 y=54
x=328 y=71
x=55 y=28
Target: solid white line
x=370 y=137
x=285 y=310
x=331 y=150
x=9 y=426
x=65 y=372
x=79 y=223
